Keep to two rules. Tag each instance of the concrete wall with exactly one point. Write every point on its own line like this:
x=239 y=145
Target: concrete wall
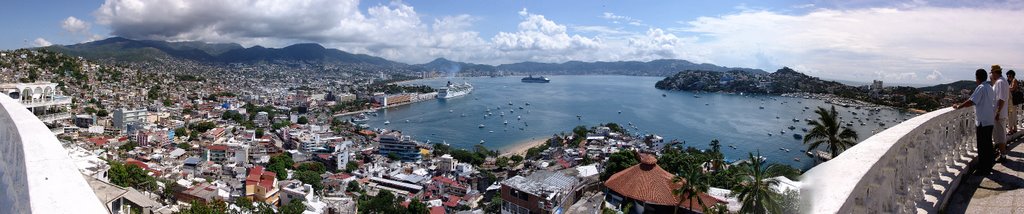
x=36 y=174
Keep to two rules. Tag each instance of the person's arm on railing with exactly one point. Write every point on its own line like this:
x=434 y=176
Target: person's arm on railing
x=965 y=104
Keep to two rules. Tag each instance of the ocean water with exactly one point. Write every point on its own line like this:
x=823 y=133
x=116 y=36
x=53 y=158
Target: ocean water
x=569 y=101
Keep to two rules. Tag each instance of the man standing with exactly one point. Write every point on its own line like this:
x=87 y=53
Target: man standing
x=1002 y=105
x=984 y=119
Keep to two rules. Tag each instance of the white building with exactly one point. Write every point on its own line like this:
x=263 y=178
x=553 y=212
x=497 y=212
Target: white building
x=42 y=99
x=127 y=119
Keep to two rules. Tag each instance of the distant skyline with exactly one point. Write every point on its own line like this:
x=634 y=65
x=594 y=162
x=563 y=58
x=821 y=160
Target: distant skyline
x=909 y=42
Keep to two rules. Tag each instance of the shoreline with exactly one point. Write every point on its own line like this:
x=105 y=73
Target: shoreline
x=521 y=147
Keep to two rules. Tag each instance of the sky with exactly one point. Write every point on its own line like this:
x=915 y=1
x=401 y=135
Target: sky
x=916 y=42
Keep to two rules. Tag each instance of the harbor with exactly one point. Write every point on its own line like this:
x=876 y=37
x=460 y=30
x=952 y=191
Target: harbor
x=503 y=112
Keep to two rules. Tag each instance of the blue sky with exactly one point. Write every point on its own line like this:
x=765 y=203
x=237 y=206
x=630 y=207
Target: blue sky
x=907 y=41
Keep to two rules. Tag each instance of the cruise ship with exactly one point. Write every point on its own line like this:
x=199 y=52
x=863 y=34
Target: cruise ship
x=539 y=79
x=454 y=90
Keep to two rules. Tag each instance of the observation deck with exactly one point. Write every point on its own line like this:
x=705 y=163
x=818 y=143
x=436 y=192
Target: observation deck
x=913 y=167
x=36 y=173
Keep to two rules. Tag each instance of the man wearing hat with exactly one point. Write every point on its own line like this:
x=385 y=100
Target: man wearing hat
x=1002 y=105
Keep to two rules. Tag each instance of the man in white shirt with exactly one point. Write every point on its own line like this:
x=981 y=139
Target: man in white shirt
x=984 y=120
x=1002 y=105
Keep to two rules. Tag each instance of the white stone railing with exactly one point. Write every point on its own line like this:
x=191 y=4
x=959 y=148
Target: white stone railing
x=55 y=100
x=36 y=174
x=911 y=167
x=47 y=118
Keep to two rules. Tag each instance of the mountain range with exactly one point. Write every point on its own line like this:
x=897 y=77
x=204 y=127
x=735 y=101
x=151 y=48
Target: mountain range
x=123 y=49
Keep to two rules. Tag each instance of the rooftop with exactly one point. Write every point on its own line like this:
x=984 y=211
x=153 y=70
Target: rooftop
x=650 y=183
x=543 y=183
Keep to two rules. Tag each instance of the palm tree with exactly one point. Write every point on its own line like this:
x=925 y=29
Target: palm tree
x=694 y=183
x=829 y=131
x=716 y=153
x=755 y=188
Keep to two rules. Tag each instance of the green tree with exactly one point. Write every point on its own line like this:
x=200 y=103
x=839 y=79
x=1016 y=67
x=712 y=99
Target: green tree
x=281 y=164
x=353 y=186
x=828 y=131
x=416 y=207
x=309 y=177
x=102 y=113
x=259 y=133
x=717 y=159
x=755 y=191
x=245 y=204
x=295 y=207
x=693 y=183
x=198 y=207
x=127 y=175
x=351 y=166
x=494 y=206
x=617 y=162
x=313 y=166
x=303 y=120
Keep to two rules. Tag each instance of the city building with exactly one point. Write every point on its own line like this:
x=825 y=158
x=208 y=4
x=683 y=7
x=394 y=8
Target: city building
x=128 y=120
x=217 y=153
x=401 y=147
x=446 y=163
x=649 y=188
x=202 y=192
x=540 y=192
x=119 y=199
x=261 y=185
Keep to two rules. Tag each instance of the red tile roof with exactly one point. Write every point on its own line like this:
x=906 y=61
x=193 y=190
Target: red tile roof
x=452 y=201
x=447 y=181
x=260 y=177
x=437 y=210
x=218 y=147
x=650 y=183
x=99 y=141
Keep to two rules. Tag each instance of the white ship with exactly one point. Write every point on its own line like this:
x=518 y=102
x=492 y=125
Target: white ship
x=454 y=90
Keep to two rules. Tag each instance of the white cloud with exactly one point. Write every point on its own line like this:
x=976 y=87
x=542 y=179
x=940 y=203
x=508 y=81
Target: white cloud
x=74 y=25
x=617 y=19
x=935 y=76
x=540 y=39
x=853 y=44
x=910 y=42
x=40 y=42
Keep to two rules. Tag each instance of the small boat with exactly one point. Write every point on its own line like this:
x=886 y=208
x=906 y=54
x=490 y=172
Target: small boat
x=520 y=107
x=663 y=95
x=406 y=121
x=797 y=136
x=492 y=131
x=506 y=122
x=509 y=102
x=527 y=103
x=762 y=107
x=451 y=111
x=796 y=159
x=769 y=134
x=782 y=132
x=519 y=117
x=482 y=126
x=792 y=127
x=387 y=122
x=620 y=112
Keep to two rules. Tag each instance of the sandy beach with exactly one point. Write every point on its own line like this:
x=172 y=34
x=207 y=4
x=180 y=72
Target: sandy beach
x=520 y=148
